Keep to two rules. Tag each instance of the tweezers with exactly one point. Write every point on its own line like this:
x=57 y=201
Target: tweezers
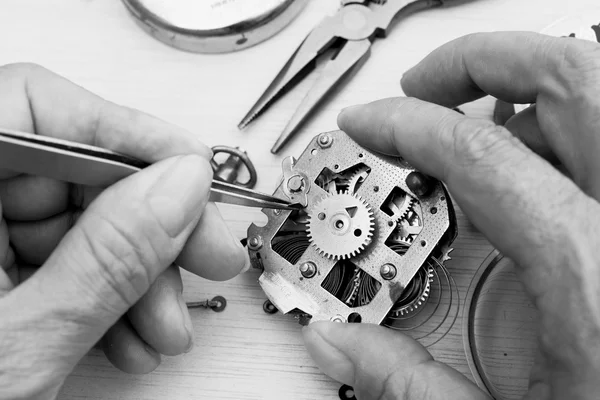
x=94 y=166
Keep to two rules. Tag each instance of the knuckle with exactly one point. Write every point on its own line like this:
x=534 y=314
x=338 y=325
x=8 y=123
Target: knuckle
x=577 y=64
x=581 y=55
x=23 y=70
x=397 y=111
x=476 y=143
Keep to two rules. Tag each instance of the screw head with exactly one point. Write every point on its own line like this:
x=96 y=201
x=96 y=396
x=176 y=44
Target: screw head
x=295 y=183
x=387 y=271
x=255 y=243
x=338 y=318
x=325 y=140
x=308 y=269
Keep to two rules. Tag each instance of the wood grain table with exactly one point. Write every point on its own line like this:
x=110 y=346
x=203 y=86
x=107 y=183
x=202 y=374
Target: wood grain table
x=244 y=353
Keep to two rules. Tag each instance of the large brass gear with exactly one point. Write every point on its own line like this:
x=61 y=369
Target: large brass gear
x=341 y=225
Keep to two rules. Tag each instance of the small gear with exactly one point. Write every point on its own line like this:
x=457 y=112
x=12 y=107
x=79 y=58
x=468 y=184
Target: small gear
x=401 y=204
x=426 y=275
x=357 y=178
x=332 y=182
x=408 y=228
x=341 y=225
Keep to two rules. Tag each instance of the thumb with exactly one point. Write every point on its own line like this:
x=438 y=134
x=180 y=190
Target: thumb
x=382 y=364
x=130 y=234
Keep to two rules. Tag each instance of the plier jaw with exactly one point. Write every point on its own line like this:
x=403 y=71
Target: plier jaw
x=351 y=32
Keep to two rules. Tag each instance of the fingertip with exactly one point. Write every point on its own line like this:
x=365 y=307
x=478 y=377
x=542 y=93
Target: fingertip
x=316 y=334
x=407 y=82
x=127 y=351
x=204 y=150
x=321 y=344
x=322 y=328
x=347 y=116
x=212 y=251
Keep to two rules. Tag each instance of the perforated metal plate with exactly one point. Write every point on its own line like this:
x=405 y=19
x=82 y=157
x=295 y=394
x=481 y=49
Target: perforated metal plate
x=283 y=282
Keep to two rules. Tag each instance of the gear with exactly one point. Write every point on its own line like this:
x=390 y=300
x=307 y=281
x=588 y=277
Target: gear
x=426 y=276
x=408 y=228
x=357 y=178
x=400 y=204
x=341 y=225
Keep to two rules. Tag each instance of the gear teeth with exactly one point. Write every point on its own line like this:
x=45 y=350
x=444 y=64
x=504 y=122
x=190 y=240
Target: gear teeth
x=408 y=207
x=354 y=178
x=366 y=223
x=419 y=301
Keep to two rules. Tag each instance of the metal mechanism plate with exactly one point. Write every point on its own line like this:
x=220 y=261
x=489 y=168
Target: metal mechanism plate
x=371 y=201
x=213 y=26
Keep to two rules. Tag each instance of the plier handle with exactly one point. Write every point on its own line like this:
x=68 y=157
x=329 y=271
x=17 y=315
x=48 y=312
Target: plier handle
x=350 y=32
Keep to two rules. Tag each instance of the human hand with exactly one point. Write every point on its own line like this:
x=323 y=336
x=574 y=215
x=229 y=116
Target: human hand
x=506 y=181
x=102 y=261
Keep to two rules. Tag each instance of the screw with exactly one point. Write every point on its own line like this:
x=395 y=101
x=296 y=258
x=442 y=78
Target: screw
x=325 y=141
x=217 y=304
x=255 y=243
x=269 y=307
x=308 y=269
x=277 y=212
x=295 y=183
x=387 y=271
x=338 y=318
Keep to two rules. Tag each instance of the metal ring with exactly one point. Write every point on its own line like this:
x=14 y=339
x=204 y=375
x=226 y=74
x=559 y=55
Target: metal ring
x=222 y=303
x=237 y=152
x=468 y=332
x=346 y=392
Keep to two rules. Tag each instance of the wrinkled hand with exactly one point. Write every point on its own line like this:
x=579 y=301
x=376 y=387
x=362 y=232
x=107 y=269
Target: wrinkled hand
x=100 y=264
x=507 y=183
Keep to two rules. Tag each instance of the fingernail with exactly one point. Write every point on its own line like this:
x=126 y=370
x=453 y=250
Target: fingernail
x=206 y=151
x=240 y=248
x=346 y=115
x=180 y=193
x=246 y=266
x=187 y=323
x=351 y=109
x=320 y=338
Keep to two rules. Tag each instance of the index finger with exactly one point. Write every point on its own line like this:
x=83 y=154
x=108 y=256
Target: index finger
x=512 y=66
x=36 y=100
